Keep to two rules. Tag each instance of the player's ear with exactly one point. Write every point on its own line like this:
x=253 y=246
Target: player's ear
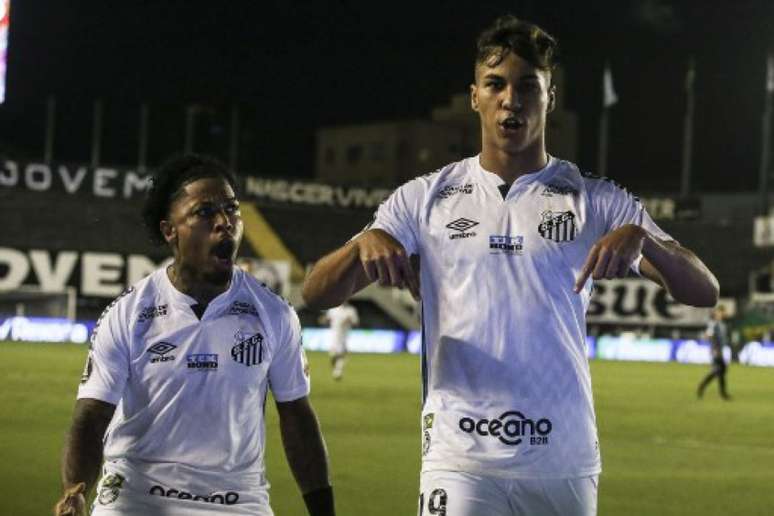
x=169 y=231
x=551 y=98
x=474 y=97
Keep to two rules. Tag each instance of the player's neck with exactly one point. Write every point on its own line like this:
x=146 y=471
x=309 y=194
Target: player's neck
x=193 y=284
x=512 y=166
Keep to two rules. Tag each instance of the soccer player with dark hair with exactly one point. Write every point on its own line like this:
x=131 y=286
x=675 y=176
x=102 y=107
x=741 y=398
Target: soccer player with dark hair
x=717 y=333
x=170 y=410
x=508 y=241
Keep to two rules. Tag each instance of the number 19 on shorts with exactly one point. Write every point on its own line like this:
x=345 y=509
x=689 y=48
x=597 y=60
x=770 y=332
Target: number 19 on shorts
x=436 y=503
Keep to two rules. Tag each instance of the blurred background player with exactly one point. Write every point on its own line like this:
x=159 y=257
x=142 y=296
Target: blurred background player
x=179 y=370
x=718 y=336
x=341 y=319
x=506 y=242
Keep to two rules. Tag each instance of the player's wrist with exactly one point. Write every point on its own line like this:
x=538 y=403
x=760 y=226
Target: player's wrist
x=320 y=502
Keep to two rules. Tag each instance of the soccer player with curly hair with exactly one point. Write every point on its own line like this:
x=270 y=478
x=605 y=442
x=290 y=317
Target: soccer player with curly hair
x=170 y=410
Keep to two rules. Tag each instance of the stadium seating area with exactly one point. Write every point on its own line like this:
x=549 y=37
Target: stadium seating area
x=312 y=231
x=726 y=248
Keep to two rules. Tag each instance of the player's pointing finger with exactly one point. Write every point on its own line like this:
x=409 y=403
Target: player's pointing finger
x=591 y=260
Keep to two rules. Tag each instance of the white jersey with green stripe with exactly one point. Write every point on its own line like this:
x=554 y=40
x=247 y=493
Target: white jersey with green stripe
x=507 y=389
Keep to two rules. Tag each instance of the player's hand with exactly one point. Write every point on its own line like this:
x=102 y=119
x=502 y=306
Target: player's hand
x=73 y=502
x=613 y=254
x=385 y=260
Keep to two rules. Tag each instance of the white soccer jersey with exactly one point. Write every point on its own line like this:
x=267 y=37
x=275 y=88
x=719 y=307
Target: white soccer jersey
x=191 y=393
x=341 y=319
x=507 y=389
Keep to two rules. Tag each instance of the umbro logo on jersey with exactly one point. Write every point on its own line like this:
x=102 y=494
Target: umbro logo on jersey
x=249 y=351
x=203 y=361
x=554 y=189
x=160 y=350
x=461 y=226
x=557 y=226
x=503 y=244
x=450 y=190
x=151 y=312
x=510 y=428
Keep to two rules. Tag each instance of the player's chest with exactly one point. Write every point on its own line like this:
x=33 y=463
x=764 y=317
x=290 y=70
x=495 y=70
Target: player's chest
x=228 y=351
x=531 y=225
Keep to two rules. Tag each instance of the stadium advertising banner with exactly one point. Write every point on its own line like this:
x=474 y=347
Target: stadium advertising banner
x=94 y=274
x=115 y=183
x=101 y=182
x=683 y=351
x=644 y=350
x=314 y=194
x=758 y=354
x=695 y=352
x=45 y=329
x=640 y=302
x=358 y=341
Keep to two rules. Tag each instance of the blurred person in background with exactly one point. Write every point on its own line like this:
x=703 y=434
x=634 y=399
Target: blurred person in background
x=341 y=319
x=507 y=241
x=718 y=335
x=179 y=367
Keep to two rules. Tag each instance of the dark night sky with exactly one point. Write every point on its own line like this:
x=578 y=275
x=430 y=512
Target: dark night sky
x=295 y=66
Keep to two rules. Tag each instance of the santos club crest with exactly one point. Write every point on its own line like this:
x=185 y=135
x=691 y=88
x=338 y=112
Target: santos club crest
x=558 y=226
x=248 y=350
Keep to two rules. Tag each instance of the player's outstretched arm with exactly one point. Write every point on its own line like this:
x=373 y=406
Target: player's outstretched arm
x=680 y=272
x=674 y=267
x=306 y=454
x=373 y=255
x=82 y=455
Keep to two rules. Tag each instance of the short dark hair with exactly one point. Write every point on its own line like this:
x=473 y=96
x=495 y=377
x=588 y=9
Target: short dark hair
x=523 y=38
x=168 y=181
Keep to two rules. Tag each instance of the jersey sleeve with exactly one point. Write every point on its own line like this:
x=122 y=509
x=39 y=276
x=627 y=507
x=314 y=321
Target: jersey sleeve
x=288 y=374
x=618 y=207
x=107 y=366
x=399 y=214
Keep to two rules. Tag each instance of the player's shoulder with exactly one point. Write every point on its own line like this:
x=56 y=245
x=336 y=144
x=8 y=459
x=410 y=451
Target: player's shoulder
x=255 y=296
x=129 y=301
x=453 y=175
x=603 y=184
x=136 y=294
x=563 y=178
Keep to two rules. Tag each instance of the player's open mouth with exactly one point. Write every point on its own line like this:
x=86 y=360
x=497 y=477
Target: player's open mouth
x=224 y=251
x=511 y=123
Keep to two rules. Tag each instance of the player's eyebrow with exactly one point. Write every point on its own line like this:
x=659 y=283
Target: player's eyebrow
x=525 y=77
x=209 y=201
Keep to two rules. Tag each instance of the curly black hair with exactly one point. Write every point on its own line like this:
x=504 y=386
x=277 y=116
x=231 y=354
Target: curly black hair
x=525 y=39
x=167 y=183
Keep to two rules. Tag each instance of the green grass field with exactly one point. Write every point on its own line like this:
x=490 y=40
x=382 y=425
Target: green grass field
x=664 y=452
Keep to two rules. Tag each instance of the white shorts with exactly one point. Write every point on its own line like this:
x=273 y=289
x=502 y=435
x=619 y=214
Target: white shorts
x=455 y=493
x=129 y=495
